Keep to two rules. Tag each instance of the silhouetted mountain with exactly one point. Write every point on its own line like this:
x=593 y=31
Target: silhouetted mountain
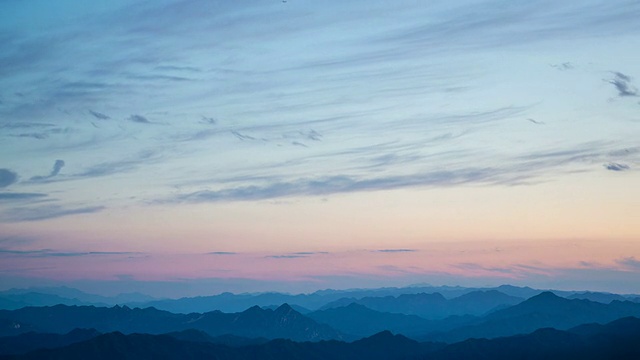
x=143 y=346
x=619 y=339
x=433 y=306
x=541 y=311
x=31 y=341
x=228 y=340
x=616 y=340
x=10 y=327
x=284 y=322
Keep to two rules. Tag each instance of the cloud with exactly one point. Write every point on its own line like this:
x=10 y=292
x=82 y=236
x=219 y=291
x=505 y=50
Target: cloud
x=21 y=196
x=629 y=262
x=564 y=66
x=43 y=253
x=242 y=136
x=57 y=166
x=285 y=256
x=139 y=119
x=222 y=253
x=47 y=212
x=623 y=84
x=98 y=115
x=7 y=177
x=113 y=167
x=395 y=250
x=39 y=136
x=296 y=255
x=616 y=166
x=344 y=184
x=208 y=120
x=537 y=122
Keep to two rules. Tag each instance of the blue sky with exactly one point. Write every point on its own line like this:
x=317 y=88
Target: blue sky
x=270 y=127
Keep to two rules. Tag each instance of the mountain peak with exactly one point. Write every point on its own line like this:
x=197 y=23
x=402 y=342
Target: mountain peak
x=284 y=307
x=545 y=295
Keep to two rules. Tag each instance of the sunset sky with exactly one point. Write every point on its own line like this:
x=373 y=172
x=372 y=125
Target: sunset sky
x=187 y=147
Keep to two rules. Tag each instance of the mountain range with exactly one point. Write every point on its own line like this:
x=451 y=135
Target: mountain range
x=255 y=322
x=227 y=302
x=619 y=339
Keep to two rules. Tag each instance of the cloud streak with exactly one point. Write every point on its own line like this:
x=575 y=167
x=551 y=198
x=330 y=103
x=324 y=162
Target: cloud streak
x=623 y=84
x=47 y=212
x=57 y=166
x=616 y=167
x=395 y=250
x=46 y=253
x=7 y=177
x=11 y=196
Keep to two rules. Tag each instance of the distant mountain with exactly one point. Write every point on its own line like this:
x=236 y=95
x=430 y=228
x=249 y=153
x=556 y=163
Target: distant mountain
x=49 y=296
x=284 y=322
x=228 y=302
x=17 y=301
x=434 y=306
x=541 y=311
x=600 y=297
x=23 y=343
x=616 y=340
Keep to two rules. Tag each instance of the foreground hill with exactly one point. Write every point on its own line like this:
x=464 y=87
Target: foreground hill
x=143 y=346
x=616 y=340
x=255 y=322
x=619 y=339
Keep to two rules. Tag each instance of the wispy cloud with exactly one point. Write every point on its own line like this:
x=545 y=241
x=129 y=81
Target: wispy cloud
x=57 y=166
x=296 y=255
x=629 y=262
x=99 y=116
x=119 y=166
x=139 y=119
x=243 y=137
x=507 y=174
x=534 y=121
x=8 y=196
x=222 y=253
x=43 y=253
x=623 y=84
x=208 y=120
x=616 y=166
x=395 y=250
x=46 y=212
x=7 y=177
x=285 y=256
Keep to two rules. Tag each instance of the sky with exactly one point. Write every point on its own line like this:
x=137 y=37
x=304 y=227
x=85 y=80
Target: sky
x=192 y=147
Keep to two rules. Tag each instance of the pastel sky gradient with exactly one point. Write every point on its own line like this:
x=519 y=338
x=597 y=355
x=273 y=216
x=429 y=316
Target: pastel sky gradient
x=192 y=147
